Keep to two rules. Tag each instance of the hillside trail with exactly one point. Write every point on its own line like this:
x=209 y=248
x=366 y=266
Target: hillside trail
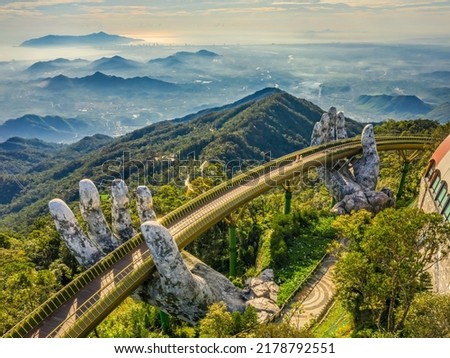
x=311 y=302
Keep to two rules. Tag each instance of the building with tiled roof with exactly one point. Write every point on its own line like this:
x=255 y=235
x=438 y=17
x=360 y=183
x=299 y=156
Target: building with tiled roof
x=434 y=197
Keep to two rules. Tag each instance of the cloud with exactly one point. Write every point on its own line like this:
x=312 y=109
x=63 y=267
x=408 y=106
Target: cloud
x=229 y=20
x=38 y=7
x=360 y=5
x=386 y=5
x=45 y=3
x=243 y=10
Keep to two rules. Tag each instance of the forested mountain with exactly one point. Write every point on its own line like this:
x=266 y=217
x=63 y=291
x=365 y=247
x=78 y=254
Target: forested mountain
x=23 y=160
x=267 y=121
x=18 y=155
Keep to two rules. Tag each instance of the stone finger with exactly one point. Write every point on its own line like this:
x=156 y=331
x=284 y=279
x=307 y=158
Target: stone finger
x=145 y=204
x=120 y=211
x=85 y=251
x=165 y=253
x=176 y=279
x=341 y=132
x=93 y=216
x=367 y=168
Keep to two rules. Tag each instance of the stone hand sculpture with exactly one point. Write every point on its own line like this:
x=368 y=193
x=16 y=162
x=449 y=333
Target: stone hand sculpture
x=352 y=183
x=183 y=286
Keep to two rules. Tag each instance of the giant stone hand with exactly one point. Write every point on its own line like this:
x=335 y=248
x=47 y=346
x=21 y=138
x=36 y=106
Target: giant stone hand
x=352 y=183
x=183 y=286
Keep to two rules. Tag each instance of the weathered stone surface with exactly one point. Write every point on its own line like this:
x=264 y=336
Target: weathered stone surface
x=181 y=293
x=145 y=204
x=186 y=308
x=264 y=308
x=341 y=131
x=352 y=183
x=120 y=211
x=367 y=168
x=330 y=127
x=92 y=214
x=261 y=292
x=85 y=251
x=380 y=200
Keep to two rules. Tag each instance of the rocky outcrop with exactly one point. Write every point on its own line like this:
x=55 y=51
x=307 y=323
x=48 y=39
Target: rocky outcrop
x=261 y=293
x=351 y=182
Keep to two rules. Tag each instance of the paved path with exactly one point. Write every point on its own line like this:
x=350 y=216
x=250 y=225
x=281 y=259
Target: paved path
x=312 y=300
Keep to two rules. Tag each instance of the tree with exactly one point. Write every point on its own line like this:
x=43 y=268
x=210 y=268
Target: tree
x=131 y=319
x=218 y=323
x=386 y=264
x=22 y=288
x=429 y=316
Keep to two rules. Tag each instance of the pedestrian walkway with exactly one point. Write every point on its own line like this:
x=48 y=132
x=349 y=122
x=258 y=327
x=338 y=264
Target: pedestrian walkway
x=310 y=302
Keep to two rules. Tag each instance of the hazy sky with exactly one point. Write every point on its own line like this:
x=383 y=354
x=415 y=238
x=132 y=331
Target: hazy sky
x=231 y=22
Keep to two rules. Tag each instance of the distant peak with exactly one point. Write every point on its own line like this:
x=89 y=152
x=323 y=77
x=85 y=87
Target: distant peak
x=269 y=90
x=60 y=77
x=207 y=53
x=99 y=74
x=98 y=38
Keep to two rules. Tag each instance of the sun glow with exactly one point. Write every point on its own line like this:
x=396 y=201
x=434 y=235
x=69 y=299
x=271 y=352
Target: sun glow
x=160 y=38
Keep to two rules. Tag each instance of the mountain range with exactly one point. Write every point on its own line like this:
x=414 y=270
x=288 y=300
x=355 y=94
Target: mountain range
x=58 y=64
x=48 y=128
x=119 y=64
x=441 y=113
x=268 y=121
x=184 y=56
x=398 y=104
x=115 y=63
x=106 y=83
x=94 y=39
x=18 y=155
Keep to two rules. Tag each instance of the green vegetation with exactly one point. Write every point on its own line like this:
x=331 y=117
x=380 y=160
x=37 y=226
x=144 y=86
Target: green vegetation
x=382 y=250
x=298 y=242
x=429 y=316
x=392 y=162
x=336 y=324
x=385 y=265
x=132 y=319
x=32 y=267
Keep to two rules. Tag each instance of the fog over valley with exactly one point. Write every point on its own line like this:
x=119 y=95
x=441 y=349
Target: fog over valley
x=115 y=89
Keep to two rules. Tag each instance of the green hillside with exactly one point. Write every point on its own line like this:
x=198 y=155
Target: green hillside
x=267 y=121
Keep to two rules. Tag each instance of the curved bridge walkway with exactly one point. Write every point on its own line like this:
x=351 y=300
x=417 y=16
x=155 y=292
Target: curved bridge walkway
x=77 y=308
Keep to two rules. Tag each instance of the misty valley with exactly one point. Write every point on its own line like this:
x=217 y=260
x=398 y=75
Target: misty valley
x=64 y=99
